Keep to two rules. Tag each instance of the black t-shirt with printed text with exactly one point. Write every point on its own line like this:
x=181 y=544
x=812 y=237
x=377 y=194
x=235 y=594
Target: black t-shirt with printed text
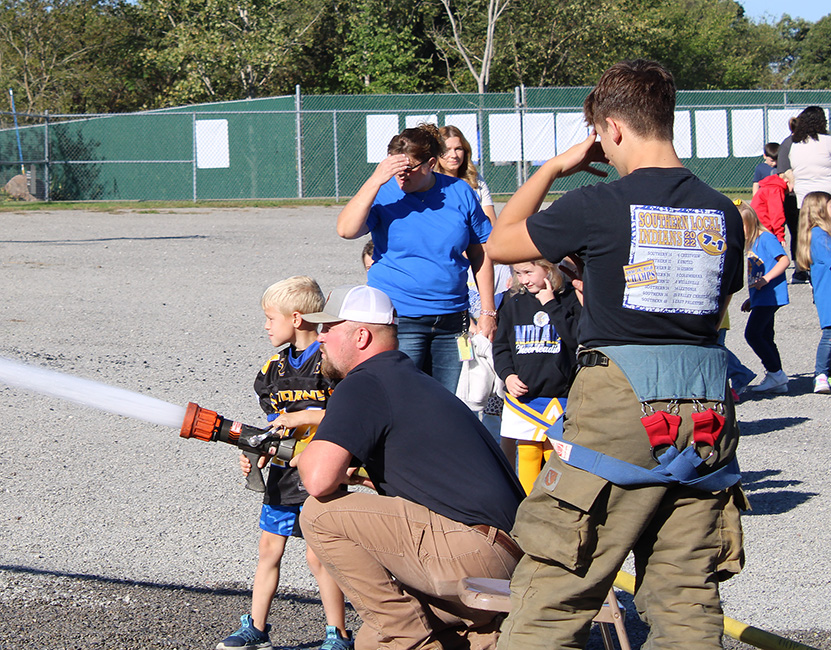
x=290 y=381
x=538 y=342
x=662 y=251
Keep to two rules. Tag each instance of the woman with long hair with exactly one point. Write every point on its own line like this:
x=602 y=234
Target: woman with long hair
x=810 y=153
x=456 y=161
x=427 y=229
x=814 y=252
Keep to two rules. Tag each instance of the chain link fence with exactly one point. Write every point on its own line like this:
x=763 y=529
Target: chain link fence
x=326 y=146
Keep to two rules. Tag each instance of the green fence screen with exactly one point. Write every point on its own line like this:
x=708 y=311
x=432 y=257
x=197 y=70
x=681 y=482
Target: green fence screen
x=327 y=145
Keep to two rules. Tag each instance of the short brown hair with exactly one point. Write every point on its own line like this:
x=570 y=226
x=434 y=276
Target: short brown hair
x=422 y=142
x=640 y=93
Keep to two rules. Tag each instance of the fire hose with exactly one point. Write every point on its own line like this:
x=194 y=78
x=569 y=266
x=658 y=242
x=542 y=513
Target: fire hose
x=733 y=628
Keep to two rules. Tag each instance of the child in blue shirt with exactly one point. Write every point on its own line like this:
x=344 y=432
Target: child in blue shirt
x=766 y=264
x=814 y=252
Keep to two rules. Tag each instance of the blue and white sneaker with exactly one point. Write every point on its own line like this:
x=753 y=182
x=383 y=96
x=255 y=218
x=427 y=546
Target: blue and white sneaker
x=247 y=637
x=334 y=641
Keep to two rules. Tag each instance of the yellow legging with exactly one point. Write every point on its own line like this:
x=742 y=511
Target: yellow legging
x=531 y=456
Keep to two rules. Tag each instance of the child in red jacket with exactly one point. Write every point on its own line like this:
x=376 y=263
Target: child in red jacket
x=769 y=201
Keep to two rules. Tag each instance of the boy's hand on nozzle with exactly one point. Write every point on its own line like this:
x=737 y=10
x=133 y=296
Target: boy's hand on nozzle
x=245 y=464
x=290 y=421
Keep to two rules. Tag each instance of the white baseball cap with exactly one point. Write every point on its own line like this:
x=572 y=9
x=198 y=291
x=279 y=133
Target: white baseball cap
x=360 y=303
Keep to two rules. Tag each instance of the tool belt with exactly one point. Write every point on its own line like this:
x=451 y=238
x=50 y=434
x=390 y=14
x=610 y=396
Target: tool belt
x=664 y=373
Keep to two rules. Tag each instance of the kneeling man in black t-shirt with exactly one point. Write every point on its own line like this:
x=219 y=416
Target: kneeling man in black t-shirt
x=446 y=494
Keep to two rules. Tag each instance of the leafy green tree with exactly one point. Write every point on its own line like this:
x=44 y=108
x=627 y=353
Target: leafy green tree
x=110 y=77
x=812 y=69
x=464 y=33
x=705 y=43
x=566 y=43
x=384 y=50
x=50 y=50
x=710 y=44
x=228 y=49
x=789 y=34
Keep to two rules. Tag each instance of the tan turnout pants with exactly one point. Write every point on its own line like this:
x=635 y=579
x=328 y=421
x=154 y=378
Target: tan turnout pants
x=578 y=529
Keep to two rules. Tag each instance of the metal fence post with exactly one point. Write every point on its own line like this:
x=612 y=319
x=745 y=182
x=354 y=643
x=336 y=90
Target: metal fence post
x=520 y=165
x=46 y=179
x=297 y=106
x=480 y=130
x=522 y=111
x=335 y=146
x=193 y=152
x=765 y=132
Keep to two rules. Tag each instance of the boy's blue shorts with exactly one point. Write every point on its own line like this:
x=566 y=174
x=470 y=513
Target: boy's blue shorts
x=281 y=520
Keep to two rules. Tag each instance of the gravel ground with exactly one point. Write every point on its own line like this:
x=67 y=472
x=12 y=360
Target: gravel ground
x=118 y=534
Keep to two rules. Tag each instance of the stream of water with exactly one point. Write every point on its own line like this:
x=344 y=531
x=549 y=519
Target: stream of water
x=91 y=393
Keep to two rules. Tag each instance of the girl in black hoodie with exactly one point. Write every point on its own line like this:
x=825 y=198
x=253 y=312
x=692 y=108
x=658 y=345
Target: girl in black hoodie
x=535 y=354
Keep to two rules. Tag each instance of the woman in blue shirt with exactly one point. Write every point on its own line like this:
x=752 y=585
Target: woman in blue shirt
x=427 y=229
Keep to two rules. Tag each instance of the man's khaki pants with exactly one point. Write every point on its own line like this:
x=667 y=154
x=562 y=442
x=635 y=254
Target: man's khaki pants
x=399 y=565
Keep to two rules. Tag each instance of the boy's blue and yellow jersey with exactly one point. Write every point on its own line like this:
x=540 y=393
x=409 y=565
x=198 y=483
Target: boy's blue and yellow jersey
x=291 y=381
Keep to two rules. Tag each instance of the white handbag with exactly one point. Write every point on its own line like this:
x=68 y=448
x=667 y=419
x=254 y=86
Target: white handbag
x=478 y=380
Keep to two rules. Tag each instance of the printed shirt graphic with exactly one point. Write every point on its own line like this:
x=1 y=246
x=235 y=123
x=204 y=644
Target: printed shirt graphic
x=755 y=268
x=676 y=260
x=539 y=338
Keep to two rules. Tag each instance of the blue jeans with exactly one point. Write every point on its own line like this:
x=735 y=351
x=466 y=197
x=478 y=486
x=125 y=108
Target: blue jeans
x=759 y=335
x=738 y=373
x=823 y=352
x=430 y=341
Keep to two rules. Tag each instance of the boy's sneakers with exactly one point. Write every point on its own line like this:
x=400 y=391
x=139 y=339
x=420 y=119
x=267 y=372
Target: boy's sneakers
x=821 y=384
x=774 y=382
x=334 y=641
x=247 y=637
x=740 y=384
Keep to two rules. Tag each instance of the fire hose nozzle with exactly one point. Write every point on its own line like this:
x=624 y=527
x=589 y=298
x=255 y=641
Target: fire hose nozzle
x=207 y=425
x=200 y=423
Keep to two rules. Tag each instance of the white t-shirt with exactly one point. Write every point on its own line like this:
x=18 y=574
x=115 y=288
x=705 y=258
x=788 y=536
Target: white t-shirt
x=482 y=191
x=811 y=165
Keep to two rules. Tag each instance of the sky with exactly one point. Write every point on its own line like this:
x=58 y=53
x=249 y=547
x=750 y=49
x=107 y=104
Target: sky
x=772 y=10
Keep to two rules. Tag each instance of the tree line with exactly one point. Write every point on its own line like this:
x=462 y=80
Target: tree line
x=102 y=56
